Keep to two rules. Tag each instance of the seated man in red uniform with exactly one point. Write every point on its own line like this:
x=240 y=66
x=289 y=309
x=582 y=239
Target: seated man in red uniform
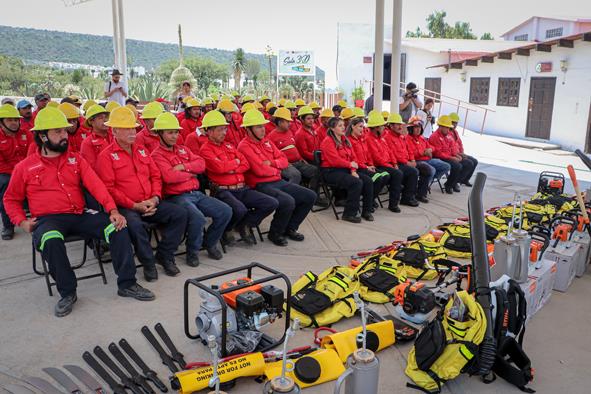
x=179 y=167
x=99 y=137
x=192 y=119
x=266 y=163
x=51 y=180
x=469 y=162
x=134 y=181
x=225 y=169
x=26 y=112
x=76 y=133
x=14 y=144
x=234 y=133
x=146 y=136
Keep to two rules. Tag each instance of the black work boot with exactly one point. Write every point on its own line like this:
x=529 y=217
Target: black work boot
x=215 y=253
x=138 y=292
x=394 y=208
x=246 y=235
x=456 y=188
x=367 y=216
x=8 y=233
x=228 y=239
x=64 y=306
x=294 y=235
x=169 y=266
x=192 y=259
x=150 y=272
x=351 y=218
x=277 y=239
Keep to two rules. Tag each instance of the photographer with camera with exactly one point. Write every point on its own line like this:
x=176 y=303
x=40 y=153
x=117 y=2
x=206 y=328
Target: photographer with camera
x=409 y=102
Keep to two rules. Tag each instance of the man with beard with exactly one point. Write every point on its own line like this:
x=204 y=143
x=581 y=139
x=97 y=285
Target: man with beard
x=13 y=148
x=51 y=181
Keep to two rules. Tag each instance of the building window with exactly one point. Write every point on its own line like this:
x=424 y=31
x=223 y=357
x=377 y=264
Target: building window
x=508 y=94
x=434 y=87
x=479 y=90
x=521 y=37
x=554 y=32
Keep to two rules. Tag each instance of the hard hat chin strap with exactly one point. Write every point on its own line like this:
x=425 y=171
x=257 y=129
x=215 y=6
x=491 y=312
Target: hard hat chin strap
x=162 y=139
x=8 y=128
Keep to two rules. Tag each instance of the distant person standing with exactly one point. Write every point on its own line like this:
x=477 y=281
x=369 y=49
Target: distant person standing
x=369 y=103
x=409 y=102
x=427 y=118
x=116 y=89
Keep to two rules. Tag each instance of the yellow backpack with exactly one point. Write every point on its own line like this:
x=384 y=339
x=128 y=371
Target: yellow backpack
x=456 y=240
x=418 y=258
x=378 y=276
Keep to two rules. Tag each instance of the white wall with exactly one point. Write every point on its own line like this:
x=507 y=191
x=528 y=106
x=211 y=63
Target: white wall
x=536 y=28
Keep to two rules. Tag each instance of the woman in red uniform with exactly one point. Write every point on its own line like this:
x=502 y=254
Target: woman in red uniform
x=340 y=167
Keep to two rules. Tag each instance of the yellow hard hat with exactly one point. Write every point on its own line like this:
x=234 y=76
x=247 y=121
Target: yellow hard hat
x=111 y=105
x=133 y=109
x=374 y=119
x=207 y=101
x=213 y=119
x=290 y=105
x=270 y=105
x=227 y=97
x=282 y=102
x=359 y=112
x=246 y=99
x=315 y=105
x=247 y=107
x=300 y=102
x=8 y=111
x=283 y=113
x=166 y=121
x=92 y=112
x=50 y=118
x=445 y=121
x=122 y=118
x=263 y=98
x=327 y=113
x=385 y=114
x=395 y=118
x=253 y=117
x=186 y=99
x=52 y=104
x=152 y=110
x=88 y=104
x=305 y=110
x=70 y=110
x=342 y=103
x=347 y=113
x=226 y=106
x=258 y=105
x=454 y=117
x=235 y=93
x=75 y=99
x=192 y=102
x=215 y=97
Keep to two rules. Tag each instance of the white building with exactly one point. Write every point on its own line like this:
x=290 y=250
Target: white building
x=538 y=28
x=516 y=89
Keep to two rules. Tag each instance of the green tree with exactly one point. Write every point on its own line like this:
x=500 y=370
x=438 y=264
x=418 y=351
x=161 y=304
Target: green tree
x=77 y=75
x=436 y=24
x=487 y=36
x=238 y=64
x=251 y=70
x=437 y=27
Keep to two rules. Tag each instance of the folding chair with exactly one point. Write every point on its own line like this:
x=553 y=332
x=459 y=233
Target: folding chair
x=325 y=187
x=439 y=183
x=69 y=239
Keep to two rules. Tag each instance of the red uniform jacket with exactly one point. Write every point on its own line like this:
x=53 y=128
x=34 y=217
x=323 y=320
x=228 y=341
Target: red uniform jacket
x=417 y=145
x=307 y=141
x=235 y=133
x=194 y=142
x=256 y=152
x=285 y=142
x=364 y=159
x=129 y=178
x=181 y=116
x=333 y=157
x=151 y=141
x=269 y=127
x=93 y=146
x=14 y=149
x=27 y=125
x=443 y=145
x=321 y=131
x=53 y=186
x=459 y=145
x=176 y=182
x=75 y=140
x=189 y=126
x=379 y=151
x=220 y=162
x=399 y=146
x=295 y=125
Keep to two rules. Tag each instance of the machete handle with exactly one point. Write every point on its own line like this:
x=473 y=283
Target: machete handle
x=148 y=373
x=572 y=174
x=94 y=364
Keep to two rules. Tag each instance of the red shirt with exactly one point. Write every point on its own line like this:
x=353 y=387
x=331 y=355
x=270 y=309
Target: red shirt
x=152 y=141
x=53 y=186
x=321 y=131
x=189 y=126
x=307 y=141
x=361 y=152
x=336 y=157
x=234 y=134
x=258 y=151
x=27 y=125
x=459 y=145
x=176 y=182
x=93 y=146
x=220 y=162
x=75 y=140
x=194 y=142
x=14 y=149
x=130 y=178
x=269 y=127
x=417 y=145
x=379 y=151
x=181 y=116
x=398 y=145
x=285 y=142
x=443 y=145
x=295 y=125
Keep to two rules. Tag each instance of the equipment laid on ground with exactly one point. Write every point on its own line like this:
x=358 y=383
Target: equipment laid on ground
x=94 y=364
x=86 y=378
x=148 y=373
x=64 y=380
x=124 y=379
x=235 y=313
x=403 y=331
x=564 y=252
x=363 y=367
x=551 y=182
x=164 y=356
x=41 y=384
x=284 y=383
x=215 y=379
x=138 y=379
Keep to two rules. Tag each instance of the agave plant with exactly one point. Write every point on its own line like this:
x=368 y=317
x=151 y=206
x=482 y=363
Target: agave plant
x=91 y=92
x=181 y=73
x=148 y=88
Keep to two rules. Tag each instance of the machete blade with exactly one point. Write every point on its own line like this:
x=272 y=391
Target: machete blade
x=17 y=389
x=64 y=380
x=42 y=385
x=89 y=381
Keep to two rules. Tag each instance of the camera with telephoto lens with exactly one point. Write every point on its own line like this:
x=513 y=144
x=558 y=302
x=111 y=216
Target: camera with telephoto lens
x=411 y=94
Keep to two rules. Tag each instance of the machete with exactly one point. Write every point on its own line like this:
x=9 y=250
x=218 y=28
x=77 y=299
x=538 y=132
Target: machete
x=176 y=355
x=135 y=375
x=86 y=378
x=64 y=380
x=116 y=387
x=148 y=373
x=17 y=389
x=165 y=357
x=125 y=380
x=42 y=385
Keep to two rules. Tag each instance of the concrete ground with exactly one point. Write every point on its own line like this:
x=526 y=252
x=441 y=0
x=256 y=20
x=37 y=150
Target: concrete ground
x=32 y=338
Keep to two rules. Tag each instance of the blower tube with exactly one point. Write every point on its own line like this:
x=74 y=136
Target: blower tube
x=481 y=268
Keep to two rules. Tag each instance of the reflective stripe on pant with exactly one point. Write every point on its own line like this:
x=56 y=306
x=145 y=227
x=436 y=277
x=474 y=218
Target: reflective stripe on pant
x=49 y=235
x=249 y=207
x=395 y=184
x=379 y=179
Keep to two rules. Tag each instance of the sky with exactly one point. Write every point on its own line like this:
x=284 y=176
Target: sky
x=254 y=24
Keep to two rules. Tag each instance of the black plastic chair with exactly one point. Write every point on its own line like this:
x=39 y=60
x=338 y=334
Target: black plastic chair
x=325 y=187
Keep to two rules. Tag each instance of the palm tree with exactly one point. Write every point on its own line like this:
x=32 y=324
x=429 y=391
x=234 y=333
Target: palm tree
x=238 y=65
x=252 y=69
